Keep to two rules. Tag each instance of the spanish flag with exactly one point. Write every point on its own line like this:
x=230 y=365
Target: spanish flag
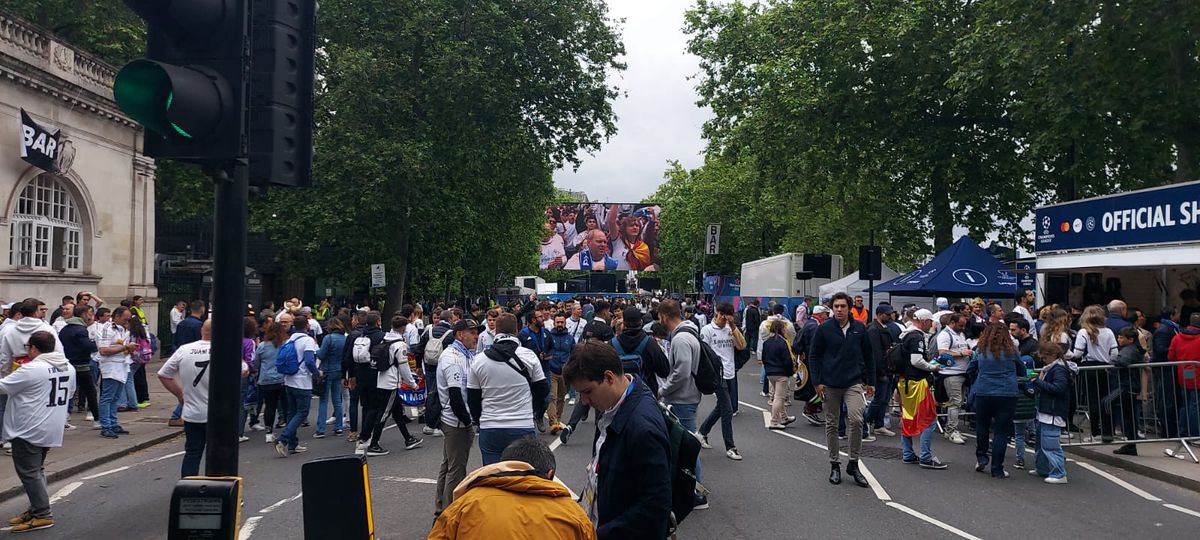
x=916 y=405
x=638 y=256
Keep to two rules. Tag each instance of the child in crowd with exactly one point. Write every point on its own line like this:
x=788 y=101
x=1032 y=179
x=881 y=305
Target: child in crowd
x=1054 y=388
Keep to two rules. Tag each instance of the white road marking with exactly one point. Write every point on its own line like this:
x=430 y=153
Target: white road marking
x=66 y=490
x=557 y=442
x=407 y=479
x=932 y=521
x=1182 y=509
x=766 y=419
x=168 y=456
x=755 y=407
x=248 y=528
x=282 y=502
x=1132 y=488
x=106 y=473
x=880 y=493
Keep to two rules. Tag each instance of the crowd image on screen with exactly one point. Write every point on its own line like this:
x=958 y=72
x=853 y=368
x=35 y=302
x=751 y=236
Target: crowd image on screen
x=597 y=236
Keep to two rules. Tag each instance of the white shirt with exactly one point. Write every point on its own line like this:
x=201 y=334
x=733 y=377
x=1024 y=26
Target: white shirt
x=618 y=251
x=302 y=379
x=176 y=318
x=1024 y=311
x=1104 y=351
x=412 y=336
x=486 y=339
x=451 y=373
x=507 y=398
x=721 y=341
x=314 y=327
x=38 y=394
x=400 y=371
x=551 y=248
x=575 y=328
x=113 y=366
x=948 y=339
x=59 y=324
x=568 y=233
x=189 y=366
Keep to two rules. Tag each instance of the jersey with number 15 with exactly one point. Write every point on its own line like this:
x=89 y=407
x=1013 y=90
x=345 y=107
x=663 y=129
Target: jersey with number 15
x=38 y=394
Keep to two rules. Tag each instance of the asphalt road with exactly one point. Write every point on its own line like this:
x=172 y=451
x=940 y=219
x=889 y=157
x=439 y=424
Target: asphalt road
x=778 y=491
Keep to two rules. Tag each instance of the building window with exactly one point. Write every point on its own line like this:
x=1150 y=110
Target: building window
x=45 y=230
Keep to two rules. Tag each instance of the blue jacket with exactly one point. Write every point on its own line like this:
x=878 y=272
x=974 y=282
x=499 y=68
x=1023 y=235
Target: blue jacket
x=559 y=346
x=330 y=353
x=1162 y=340
x=1055 y=389
x=994 y=376
x=534 y=341
x=77 y=346
x=634 y=492
x=1116 y=323
x=841 y=360
x=187 y=331
x=776 y=358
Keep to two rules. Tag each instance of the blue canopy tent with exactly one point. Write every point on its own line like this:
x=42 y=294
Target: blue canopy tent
x=963 y=270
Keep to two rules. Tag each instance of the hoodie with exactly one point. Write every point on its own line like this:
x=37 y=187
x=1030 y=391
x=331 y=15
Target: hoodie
x=12 y=346
x=679 y=386
x=1186 y=346
x=77 y=345
x=501 y=500
x=654 y=360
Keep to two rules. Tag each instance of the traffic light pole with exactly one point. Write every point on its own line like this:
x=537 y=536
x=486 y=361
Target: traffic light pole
x=229 y=306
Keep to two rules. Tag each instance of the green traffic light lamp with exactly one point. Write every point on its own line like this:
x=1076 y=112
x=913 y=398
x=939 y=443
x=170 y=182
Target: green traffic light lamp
x=180 y=103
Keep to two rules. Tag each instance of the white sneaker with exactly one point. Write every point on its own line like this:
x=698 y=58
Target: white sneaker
x=869 y=437
x=956 y=438
x=243 y=439
x=703 y=441
x=427 y=430
x=438 y=433
x=89 y=418
x=270 y=438
x=361 y=448
x=299 y=449
x=1052 y=480
x=330 y=421
x=733 y=454
x=68 y=426
x=885 y=431
x=258 y=427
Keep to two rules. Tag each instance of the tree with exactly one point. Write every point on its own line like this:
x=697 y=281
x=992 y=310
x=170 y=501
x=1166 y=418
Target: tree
x=438 y=126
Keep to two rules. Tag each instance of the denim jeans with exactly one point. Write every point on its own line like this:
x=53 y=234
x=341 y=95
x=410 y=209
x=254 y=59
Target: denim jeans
x=686 y=412
x=1050 y=460
x=1019 y=431
x=723 y=411
x=993 y=415
x=926 y=456
x=195 y=436
x=243 y=412
x=1189 y=414
x=298 y=401
x=111 y=392
x=493 y=441
x=333 y=392
x=177 y=413
x=129 y=394
x=877 y=409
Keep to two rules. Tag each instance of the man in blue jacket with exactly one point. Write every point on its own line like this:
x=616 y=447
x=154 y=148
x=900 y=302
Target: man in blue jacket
x=628 y=495
x=559 y=344
x=843 y=369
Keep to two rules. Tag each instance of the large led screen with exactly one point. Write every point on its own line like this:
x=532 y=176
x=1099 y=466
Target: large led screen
x=600 y=237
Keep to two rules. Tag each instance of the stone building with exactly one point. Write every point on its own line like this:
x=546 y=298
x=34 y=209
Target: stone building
x=89 y=226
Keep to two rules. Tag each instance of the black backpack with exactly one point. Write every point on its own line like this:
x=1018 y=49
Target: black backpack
x=708 y=373
x=381 y=355
x=896 y=359
x=683 y=450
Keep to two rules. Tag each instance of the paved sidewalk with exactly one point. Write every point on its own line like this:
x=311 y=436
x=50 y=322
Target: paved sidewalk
x=1150 y=461
x=83 y=448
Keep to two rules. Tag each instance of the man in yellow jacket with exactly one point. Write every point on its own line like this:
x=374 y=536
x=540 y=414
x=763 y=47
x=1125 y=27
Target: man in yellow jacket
x=517 y=497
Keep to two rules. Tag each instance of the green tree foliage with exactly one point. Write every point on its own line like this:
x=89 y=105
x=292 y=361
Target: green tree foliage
x=439 y=124
x=916 y=118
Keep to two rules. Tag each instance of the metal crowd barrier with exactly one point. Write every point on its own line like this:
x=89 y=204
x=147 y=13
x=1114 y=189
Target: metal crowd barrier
x=1155 y=402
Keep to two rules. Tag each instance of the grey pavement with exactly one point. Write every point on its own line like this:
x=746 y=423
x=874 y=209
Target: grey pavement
x=778 y=491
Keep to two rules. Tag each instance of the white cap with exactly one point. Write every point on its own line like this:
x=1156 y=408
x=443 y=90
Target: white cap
x=820 y=309
x=941 y=301
x=923 y=315
x=6 y=307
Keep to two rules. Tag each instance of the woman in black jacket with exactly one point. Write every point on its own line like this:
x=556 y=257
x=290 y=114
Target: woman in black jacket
x=780 y=365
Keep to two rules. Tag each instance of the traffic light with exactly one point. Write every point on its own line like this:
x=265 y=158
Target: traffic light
x=190 y=90
x=281 y=91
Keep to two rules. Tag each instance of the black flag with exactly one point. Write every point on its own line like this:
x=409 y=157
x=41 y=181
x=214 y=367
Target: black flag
x=39 y=146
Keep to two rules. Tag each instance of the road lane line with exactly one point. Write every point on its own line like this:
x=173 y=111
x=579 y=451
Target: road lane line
x=282 y=502
x=766 y=419
x=880 y=493
x=407 y=479
x=932 y=521
x=1178 y=508
x=557 y=442
x=1132 y=488
x=755 y=407
x=248 y=528
x=106 y=473
x=66 y=490
x=168 y=456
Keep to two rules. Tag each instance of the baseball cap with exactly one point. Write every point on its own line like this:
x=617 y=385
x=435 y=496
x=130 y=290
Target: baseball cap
x=467 y=324
x=884 y=308
x=942 y=302
x=923 y=315
x=306 y=310
x=820 y=309
x=6 y=307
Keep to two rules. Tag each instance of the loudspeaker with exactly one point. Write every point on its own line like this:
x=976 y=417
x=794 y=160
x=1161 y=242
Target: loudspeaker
x=650 y=283
x=870 y=262
x=562 y=287
x=622 y=287
x=820 y=264
x=603 y=282
x=577 y=285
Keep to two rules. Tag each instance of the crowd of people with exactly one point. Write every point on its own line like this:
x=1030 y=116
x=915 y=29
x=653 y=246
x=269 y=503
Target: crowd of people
x=494 y=378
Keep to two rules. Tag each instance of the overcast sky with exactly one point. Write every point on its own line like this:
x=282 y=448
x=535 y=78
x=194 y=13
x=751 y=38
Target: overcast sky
x=658 y=120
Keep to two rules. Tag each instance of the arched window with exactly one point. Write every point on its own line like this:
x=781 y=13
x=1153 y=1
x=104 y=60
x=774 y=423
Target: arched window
x=46 y=228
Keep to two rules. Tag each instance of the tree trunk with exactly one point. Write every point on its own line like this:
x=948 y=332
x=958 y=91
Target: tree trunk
x=398 y=277
x=940 y=211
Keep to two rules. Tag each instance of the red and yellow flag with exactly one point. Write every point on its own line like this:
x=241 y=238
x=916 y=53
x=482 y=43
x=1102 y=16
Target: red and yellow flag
x=916 y=405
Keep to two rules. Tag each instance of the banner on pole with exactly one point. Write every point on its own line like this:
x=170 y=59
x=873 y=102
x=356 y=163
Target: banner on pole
x=714 y=239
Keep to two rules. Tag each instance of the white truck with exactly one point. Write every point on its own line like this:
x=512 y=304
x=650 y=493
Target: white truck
x=789 y=277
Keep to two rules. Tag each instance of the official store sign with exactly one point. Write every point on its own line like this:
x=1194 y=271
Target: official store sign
x=1165 y=215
